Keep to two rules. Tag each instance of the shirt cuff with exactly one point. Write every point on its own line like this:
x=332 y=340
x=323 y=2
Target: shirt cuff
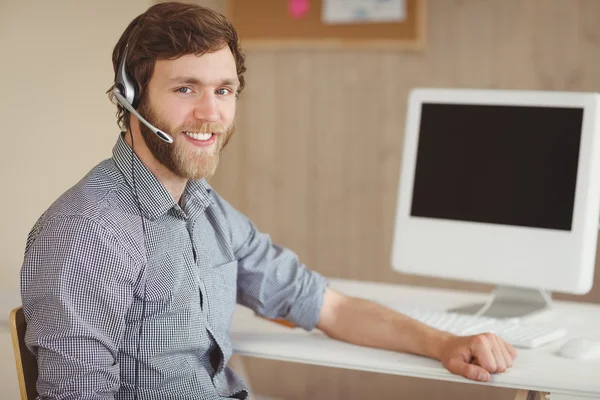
x=306 y=310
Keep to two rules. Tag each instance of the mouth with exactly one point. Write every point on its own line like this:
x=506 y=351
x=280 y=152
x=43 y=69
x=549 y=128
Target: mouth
x=201 y=139
x=201 y=136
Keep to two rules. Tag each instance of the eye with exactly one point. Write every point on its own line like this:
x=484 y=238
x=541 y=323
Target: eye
x=184 y=90
x=223 y=91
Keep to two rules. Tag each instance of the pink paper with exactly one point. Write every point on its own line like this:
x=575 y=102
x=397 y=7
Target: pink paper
x=298 y=8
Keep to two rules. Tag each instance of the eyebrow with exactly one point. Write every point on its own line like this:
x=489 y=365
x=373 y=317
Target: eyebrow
x=189 y=80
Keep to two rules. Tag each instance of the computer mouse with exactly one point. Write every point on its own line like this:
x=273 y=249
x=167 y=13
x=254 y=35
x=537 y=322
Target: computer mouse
x=581 y=348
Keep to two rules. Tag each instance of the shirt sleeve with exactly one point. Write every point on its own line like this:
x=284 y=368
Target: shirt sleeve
x=77 y=284
x=271 y=279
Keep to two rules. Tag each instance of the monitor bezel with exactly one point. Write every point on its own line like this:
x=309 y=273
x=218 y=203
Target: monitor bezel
x=517 y=256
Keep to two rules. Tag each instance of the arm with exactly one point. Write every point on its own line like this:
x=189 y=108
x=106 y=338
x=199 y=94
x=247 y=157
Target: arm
x=76 y=286
x=369 y=324
x=273 y=283
x=271 y=280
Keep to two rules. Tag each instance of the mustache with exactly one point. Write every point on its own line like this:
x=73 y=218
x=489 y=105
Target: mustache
x=205 y=127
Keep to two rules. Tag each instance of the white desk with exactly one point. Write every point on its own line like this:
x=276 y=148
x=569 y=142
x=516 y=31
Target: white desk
x=540 y=369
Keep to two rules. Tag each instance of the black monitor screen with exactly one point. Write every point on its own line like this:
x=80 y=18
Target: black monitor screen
x=511 y=165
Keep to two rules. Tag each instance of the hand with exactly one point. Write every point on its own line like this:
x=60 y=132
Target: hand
x=475 y=357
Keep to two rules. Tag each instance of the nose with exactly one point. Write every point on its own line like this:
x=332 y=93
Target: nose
x=206 y=108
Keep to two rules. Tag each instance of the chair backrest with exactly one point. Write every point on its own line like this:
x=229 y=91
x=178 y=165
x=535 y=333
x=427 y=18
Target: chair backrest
x=27 y=369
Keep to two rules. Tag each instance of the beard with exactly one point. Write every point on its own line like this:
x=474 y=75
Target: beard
x=183 y=159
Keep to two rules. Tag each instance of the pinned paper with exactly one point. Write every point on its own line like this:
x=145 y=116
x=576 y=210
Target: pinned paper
x=298 y=8
x=360 y=11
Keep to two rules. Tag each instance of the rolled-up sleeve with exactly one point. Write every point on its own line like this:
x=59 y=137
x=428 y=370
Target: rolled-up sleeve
x=77 y=284
x=271 y=279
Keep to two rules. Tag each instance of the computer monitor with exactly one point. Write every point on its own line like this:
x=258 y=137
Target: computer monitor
x=501 y=187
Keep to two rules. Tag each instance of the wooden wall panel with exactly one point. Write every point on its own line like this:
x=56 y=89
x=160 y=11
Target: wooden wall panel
x=316 y=156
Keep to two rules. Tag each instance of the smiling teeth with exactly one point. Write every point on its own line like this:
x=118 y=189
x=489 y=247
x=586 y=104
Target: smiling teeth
x=199 y=136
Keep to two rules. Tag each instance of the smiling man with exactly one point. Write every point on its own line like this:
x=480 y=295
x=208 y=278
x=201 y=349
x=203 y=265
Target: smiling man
x=194 y=97
x=130 y=278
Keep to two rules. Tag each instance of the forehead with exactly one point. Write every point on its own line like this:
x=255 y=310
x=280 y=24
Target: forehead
x=217 y=65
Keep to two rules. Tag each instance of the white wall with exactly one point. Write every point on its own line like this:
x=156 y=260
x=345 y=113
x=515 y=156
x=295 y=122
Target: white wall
x=57 y=122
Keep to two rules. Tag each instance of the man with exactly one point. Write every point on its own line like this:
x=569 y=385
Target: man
x=130 y=278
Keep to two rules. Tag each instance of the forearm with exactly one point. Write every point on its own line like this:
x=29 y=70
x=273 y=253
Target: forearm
x=370 y=324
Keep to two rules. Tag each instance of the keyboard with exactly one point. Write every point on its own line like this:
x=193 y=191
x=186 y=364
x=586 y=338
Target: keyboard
x=514 y=331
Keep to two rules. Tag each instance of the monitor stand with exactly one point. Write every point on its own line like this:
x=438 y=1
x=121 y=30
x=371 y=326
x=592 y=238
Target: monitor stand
x=510 y=302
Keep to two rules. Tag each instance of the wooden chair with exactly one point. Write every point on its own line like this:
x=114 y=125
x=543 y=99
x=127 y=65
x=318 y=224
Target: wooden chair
x=27 y=370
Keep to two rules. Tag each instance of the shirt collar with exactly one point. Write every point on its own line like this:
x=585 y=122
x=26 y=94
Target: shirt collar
x=154 y=199
x=196 y=198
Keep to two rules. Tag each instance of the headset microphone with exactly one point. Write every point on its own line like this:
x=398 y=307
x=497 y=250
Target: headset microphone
x=124 y=92
x=132 y=110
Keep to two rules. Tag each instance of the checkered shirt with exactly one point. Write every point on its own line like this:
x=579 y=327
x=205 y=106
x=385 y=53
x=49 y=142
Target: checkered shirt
x=96 y=283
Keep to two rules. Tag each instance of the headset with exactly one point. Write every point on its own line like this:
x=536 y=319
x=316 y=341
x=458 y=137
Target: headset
x=124 y=92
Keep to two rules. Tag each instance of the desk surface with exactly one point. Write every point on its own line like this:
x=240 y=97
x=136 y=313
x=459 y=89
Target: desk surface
x=540 y=369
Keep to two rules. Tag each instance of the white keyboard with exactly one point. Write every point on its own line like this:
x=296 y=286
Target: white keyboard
x=513 y=331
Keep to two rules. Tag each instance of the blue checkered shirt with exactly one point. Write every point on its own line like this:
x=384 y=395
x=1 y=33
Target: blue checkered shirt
x=95 y=282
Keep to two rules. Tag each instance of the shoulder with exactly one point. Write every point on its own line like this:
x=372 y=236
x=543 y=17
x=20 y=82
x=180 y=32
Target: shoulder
x=96 y=204
x=91 y=195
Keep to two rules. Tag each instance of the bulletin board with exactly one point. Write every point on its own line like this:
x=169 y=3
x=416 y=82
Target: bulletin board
x=268 y=24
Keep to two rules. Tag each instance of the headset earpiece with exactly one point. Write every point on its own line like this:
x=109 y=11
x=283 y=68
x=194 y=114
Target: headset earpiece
x=125 y=94
x=123 y=83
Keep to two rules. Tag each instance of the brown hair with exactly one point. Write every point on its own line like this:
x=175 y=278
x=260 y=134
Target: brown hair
x=168 y=31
